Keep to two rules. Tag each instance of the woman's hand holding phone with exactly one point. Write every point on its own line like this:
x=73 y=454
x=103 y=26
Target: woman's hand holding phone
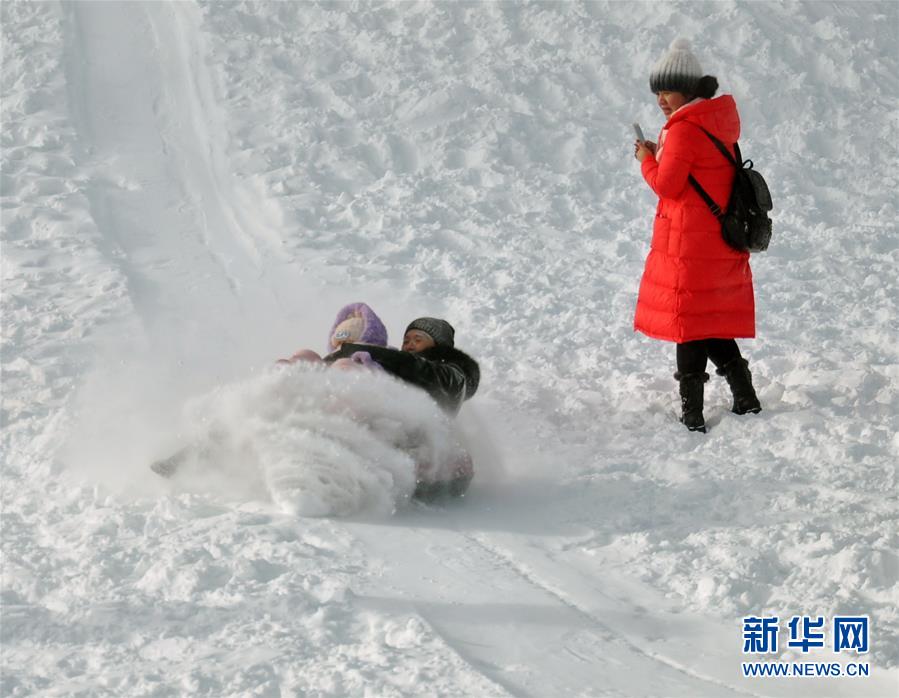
x=642 y=147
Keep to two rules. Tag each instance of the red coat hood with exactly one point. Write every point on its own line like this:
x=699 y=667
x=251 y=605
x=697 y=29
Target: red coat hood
x=718 y=116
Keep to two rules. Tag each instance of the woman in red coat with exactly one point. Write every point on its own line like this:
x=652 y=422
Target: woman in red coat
x=696 y=290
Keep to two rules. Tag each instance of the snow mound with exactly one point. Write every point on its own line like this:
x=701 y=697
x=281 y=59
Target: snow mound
x=322 y=441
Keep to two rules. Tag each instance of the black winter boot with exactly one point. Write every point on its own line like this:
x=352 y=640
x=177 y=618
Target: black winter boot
x=740 y=381
x=691 y=389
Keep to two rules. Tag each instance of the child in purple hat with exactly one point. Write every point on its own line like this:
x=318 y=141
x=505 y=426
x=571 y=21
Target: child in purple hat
x=355 y=323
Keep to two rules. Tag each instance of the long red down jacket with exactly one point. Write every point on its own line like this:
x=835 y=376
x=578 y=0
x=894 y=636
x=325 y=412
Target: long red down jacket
x=694 y=286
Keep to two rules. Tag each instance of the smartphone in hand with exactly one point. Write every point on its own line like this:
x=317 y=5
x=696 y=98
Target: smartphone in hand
x=639 y=132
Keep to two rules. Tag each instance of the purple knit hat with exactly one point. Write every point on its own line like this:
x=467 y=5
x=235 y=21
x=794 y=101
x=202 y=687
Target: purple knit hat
x=373 y=330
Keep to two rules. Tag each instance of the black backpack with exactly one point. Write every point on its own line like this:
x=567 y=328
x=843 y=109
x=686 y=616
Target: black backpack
x=745 y=224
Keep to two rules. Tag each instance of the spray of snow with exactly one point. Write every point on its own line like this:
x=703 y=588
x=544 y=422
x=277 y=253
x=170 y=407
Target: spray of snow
x=317 y=441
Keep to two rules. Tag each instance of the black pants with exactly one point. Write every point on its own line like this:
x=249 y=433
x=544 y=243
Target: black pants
x=692 y=357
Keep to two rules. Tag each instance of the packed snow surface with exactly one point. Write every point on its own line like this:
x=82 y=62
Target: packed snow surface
x=191 y=190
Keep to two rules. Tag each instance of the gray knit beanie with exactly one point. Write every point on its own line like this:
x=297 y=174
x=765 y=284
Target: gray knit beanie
x=677 y=71
x=439 y=330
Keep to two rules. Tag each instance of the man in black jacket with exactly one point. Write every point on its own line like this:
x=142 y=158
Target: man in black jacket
x=428 y=360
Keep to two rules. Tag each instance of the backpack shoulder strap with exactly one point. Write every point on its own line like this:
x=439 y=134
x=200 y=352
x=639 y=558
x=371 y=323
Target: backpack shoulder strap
x=709 y=201
x=735 y=161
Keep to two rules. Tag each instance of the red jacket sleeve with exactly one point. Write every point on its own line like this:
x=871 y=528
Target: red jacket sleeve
x=668 y=178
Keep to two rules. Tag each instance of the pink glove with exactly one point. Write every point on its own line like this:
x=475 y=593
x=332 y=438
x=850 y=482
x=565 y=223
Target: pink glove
x=364 y=358
x=302 y=355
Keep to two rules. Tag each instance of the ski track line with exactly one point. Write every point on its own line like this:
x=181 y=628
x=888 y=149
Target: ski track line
x=154 y=136
x=453 y=644
x=483 y=556
x=511 y=563
x=485 y=669
x=459 y=646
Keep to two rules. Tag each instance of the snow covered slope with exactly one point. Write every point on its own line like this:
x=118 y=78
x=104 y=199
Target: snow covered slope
x=191 y=190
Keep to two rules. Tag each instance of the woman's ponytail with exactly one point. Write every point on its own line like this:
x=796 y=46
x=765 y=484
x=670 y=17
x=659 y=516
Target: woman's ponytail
x=707 y=86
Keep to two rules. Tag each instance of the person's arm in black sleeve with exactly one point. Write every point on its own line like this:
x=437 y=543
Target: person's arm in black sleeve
x=445 y=382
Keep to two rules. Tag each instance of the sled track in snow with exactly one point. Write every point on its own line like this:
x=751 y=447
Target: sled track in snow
x=154 y=137
x=471 y=590
x=510 y=562
x=489 y=673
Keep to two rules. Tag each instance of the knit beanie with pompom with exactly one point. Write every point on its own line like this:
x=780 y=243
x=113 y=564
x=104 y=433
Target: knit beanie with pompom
x=677 y=71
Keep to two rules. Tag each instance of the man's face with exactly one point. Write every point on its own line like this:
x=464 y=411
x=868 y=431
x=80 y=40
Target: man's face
x=415 y=341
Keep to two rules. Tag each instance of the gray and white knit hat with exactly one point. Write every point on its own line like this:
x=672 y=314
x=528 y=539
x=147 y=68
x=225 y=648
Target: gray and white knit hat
x=439 y=330
x=677 y=71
